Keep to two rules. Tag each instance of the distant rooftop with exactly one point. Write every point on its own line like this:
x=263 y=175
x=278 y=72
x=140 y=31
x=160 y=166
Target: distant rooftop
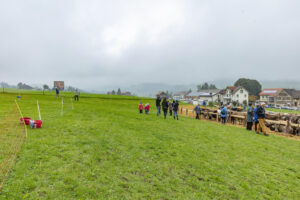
x=204 y=93
x=270 y=92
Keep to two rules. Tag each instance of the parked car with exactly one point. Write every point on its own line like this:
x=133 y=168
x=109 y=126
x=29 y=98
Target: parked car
x=294 y=108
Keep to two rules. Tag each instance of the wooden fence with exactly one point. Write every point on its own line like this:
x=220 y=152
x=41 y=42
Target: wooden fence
x=239 y=118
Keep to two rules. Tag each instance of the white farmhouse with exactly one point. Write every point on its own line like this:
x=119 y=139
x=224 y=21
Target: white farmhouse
x=180 y=95
x=205 y=95
x=235 y=94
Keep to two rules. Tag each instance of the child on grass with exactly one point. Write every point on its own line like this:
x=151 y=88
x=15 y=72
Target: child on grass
x=141 y=107
x=147 y=108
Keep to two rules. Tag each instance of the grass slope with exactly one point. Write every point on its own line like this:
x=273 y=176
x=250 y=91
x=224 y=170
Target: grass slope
x=283 y=110
x=104 y=149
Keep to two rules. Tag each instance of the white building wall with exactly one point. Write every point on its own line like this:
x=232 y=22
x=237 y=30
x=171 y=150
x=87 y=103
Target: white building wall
x=207 y=99
x=240 y=96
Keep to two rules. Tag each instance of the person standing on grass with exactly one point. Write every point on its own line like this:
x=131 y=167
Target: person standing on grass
x=175 y=109
x=197 y=109
x=147 y=108
x=158 y=100
x=165 y=106
x=224 y=113
x=261 y=114
x=255 y=117
x=250 y=115
x=141 y=107
x=57 y=92
x=76 y=96
x=170 y=108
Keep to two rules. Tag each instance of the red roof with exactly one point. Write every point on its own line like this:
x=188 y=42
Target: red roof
x=270 y=92
x=233 y=89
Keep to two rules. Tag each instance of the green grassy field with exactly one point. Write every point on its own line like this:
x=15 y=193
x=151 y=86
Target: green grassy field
x=104 y=149
x=283 y=110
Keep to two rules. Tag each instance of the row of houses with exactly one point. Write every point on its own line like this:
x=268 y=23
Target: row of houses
x=228 y=95
x=273 y=97
x=280 y=97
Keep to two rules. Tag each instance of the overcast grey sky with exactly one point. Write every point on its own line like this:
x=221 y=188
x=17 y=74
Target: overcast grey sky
x=93 y=43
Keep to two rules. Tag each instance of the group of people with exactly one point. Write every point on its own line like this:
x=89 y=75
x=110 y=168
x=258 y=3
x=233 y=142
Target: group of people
x=257 y=115
x=76 y=95
x=146 y=108
x=222 y=111
x=171 y=107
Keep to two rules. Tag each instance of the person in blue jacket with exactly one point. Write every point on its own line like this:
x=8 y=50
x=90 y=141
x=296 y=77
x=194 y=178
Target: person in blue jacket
x=197 y=109
x=255 y=117
x=57 y=92
x=224 y=113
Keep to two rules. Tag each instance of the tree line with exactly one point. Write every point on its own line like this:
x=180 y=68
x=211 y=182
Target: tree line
x=251 y=85
x=206 y=86
x=119 y=92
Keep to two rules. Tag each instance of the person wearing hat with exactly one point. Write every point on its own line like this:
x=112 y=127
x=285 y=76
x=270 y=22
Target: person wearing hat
x=147 y=108
x=261 y=114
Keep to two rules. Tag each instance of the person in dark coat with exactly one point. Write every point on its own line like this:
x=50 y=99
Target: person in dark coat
x=165 y=107
x=197 y=109
x=76 y=96
x=250 y=115
x=158 y=100
x=57 y=92
x=261 y=114
x=170 y=108
x=175 y=109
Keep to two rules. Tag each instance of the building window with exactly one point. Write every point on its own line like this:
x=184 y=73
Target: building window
x=237 y=96
x=241 y=91
x=245 y=96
